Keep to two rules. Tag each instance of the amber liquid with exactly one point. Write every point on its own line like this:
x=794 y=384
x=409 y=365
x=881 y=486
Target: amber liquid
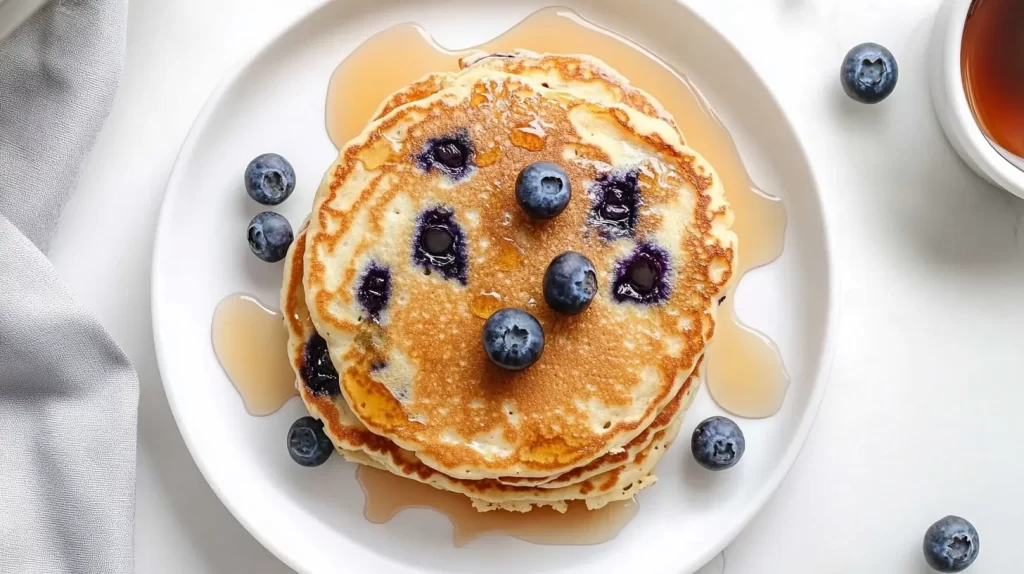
x=992 y=63
x=251 y=344
x=745 y=371
x=387 y=494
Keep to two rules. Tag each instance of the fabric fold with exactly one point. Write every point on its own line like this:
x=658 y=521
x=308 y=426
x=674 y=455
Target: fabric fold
x=68 y=394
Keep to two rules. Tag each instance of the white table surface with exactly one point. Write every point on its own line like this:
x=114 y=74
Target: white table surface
x=922 y=416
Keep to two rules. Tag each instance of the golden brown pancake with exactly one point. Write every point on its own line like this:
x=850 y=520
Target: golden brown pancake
x=412 y=369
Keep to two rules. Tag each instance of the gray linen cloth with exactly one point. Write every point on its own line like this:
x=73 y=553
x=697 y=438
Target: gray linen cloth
x=68 y=395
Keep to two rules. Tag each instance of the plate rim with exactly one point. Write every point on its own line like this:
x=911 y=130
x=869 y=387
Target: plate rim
x=820 y=378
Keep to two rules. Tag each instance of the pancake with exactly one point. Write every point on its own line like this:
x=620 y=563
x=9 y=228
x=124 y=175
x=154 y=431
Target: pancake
x=573 y=77
x=402 y=328
x=614 y=476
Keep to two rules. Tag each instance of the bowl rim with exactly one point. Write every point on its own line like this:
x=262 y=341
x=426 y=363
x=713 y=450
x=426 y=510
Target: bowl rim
x=955 y=112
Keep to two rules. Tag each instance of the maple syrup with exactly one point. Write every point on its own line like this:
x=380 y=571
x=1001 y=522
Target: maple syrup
x=744 y=368
x=251 y=344
x=745 y=373
x=387 y=494
x=992 y=65
x=486 y=304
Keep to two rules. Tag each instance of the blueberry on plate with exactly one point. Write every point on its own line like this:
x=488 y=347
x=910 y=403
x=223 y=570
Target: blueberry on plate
x=269 y=179
x=513 y=339
x=543 y=190
x=308 y=444
x=869 y=73
x=951 y=544
x=269 y=235
x=570 y=283
x=717 y=443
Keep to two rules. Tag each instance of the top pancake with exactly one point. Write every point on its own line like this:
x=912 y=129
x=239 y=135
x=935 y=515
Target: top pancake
x=406 y=343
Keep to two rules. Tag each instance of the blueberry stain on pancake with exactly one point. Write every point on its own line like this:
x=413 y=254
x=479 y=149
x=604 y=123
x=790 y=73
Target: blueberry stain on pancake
x=616 y=201
x=440 y=244
x=643 y=276
x=318 y=371
x=374 y=290
x=451 y=155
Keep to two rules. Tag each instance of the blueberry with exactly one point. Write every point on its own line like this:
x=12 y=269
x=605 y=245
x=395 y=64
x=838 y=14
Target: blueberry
x=437 y=241
x=869 y=73
x=451 y=155
x=570 y=283
x=642 y=276
x=717 y=443
x=439 y=244
x=270 y=234
x=269 y=179
x=513 y=339
x=374 y=290
x=543 y=190
x=615 y=208
x=951 y=544
x=308 y=444
x=317 y=370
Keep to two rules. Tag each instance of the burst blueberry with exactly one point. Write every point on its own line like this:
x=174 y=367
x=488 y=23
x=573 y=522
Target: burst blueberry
x=543 y=190
x=451 y=155
x=951 y=544
x=642 y=276
x=570 y=283
x=717 y=443
x=374 y=290
x=308 y=444
x=513 y=339
x=318 y=372
x=269 y=179
x=869 y=73
x=439 y=244
x=615 y=207
x=269 y=236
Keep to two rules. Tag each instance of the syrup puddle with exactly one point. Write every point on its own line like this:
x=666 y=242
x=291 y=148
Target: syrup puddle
x=251 y=344
x=745 y=372
x=387 y=494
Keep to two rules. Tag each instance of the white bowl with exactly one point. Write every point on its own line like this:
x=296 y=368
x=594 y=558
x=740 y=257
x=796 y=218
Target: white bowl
x=951 y=105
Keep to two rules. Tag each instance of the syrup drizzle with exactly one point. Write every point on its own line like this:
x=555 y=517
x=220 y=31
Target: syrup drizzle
x=752 y=386
x=388 y=494
x=251 y=344
x=745 y=373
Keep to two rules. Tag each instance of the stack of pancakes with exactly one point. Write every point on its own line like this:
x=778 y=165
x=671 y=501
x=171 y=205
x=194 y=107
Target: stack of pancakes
x=386 y=343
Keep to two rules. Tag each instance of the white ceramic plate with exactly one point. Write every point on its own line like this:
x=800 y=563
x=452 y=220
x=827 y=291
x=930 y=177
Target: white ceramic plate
x=312 y=519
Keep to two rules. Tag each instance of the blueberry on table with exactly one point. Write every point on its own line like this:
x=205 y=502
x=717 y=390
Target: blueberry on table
x=513 y=339
x=269 y=236
x=308 y=444
x=543 y=190
x=269 y=179
x=717 y=443
x=951 y=544
x=570 y=283
x=869 y=73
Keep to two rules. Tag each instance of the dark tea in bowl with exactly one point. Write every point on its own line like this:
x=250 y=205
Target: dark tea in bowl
x=992 y=65
x=978 y=85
